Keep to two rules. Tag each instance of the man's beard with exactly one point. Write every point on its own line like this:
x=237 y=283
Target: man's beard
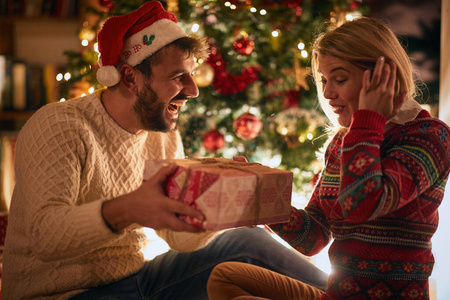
x=150 y=112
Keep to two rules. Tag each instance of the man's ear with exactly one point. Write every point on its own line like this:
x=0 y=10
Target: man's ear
x=129 y=77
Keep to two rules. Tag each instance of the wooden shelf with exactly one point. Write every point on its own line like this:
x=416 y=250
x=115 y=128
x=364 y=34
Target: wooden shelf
x=38 y=19
x=15 y=115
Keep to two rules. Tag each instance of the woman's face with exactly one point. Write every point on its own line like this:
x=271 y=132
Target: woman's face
x=341 y=85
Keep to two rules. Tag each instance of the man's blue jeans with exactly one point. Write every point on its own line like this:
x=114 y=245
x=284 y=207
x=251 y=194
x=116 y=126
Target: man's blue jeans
x=174 y=275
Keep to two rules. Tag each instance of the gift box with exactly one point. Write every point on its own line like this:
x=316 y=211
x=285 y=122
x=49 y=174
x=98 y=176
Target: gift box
x=229 y=193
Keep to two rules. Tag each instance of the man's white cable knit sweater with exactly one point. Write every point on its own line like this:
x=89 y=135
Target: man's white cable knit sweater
x=70 y=157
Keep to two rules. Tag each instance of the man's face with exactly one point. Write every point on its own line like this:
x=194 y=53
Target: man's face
x=170 y=87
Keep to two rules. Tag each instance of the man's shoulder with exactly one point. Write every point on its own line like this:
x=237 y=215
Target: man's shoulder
x=58 y=117
x=62 y=111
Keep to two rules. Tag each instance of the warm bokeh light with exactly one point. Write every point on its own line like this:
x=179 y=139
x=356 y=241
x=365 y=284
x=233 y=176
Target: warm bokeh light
x=195 y=27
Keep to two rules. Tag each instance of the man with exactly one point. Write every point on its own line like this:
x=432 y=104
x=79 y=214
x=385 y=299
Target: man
x=76 y=217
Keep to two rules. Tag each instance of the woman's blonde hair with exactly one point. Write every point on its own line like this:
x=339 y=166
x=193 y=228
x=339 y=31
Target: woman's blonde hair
x=362 y=42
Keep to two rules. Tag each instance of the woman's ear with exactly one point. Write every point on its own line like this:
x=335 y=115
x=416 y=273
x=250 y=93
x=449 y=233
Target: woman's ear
x=129 y=78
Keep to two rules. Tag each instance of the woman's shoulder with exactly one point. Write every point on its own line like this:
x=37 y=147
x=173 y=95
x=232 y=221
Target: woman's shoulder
x=424 y=131
x=425 y=123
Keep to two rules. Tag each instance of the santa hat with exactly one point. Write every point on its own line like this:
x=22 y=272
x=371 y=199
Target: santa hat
x=133 y=37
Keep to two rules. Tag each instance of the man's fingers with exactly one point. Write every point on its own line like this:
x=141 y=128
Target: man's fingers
x=184 y=209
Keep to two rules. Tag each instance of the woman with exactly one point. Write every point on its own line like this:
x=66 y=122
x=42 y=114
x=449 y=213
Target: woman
x=385 y=170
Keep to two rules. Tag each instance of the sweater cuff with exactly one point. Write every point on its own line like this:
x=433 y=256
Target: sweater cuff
x=368 y=119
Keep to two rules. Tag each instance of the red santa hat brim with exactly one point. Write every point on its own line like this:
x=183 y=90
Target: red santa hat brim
x=133 y=37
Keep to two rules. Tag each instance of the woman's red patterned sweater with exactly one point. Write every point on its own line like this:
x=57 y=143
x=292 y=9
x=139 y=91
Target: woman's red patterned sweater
x=378 y=198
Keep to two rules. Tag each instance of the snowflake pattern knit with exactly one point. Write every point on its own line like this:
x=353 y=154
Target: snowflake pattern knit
x=378 y=198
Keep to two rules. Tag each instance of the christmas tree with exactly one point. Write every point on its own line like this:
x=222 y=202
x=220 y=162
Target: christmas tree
x=257 y=97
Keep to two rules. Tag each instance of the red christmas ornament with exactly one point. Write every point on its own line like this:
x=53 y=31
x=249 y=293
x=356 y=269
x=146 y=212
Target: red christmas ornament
x=247 y=126
x=291 y=99
x=244 y=46
x=213 y=140
x=226 y=83
x=354 y=5
x=109 y=4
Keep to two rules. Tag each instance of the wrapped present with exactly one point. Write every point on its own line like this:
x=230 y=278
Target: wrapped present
x=229 y=193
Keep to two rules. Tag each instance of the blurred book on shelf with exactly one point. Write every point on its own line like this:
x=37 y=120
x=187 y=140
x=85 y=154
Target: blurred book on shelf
x=7 y=175
x=40 y=8
x=25 y=86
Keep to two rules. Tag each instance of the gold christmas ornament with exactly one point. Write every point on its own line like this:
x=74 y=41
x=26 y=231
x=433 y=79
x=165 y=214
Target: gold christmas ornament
x=300 y=74
x=172 y=6
x=204 y=75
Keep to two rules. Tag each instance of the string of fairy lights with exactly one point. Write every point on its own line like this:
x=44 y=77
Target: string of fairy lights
x=87 y=36
x=252 y=102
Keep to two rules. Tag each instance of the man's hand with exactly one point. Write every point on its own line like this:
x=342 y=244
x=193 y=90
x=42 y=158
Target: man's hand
x=378 y=93
x=148 y=206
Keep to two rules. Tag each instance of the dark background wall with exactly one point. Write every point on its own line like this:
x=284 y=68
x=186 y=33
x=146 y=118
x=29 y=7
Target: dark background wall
x=418 y=22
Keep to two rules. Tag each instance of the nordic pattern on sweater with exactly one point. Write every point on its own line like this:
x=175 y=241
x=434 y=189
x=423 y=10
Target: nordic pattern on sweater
x=383 y=217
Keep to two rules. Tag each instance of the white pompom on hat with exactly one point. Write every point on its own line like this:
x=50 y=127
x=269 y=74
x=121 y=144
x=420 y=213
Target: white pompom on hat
x=133 y=37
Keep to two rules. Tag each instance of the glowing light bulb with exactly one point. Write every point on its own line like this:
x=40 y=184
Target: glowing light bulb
x=91 y=90
x=84 y=43
x=301 y=46
x=309 y=136
x=275 y=161
x=262 y=12
x=253 y=110
x=353 y=15
x=195 y=27
x=67 y=76
x=229 y=138
x=275 y=33
x=253 y=10
x=62 y=100
x=304 y=53
x=59 y=77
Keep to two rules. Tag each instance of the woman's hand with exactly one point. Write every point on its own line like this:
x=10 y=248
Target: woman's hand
x=377 y=93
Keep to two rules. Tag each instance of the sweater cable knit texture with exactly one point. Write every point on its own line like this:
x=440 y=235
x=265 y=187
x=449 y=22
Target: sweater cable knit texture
x=70 y=157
